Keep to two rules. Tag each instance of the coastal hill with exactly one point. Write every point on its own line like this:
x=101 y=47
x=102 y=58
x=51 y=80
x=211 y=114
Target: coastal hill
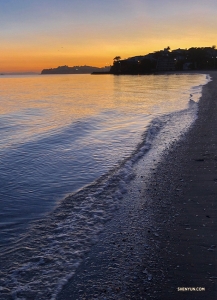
x=194 y=58
x=201 y=58
x=74 y=70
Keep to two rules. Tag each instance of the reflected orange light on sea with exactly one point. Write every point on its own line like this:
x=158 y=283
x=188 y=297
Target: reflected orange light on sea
x=46 y=102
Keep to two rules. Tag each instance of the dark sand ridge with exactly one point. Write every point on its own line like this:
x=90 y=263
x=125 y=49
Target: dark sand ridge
x=149 y=250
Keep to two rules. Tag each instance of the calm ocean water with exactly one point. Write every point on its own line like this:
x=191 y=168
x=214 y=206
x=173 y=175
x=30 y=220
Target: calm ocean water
x=61 y=133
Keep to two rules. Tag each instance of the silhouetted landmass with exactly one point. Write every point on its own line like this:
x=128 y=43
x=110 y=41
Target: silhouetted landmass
x=194 y=58
x=204 y=58
x=75 y=70
x=101 y=73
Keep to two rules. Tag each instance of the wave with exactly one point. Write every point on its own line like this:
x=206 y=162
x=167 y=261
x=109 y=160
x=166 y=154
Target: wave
x=46 y=257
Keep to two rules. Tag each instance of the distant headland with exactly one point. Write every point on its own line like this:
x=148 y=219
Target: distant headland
x=194 y=58
x=75 y=70
x=202 y=58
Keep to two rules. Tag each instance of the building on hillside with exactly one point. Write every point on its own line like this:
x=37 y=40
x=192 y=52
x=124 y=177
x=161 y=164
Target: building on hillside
x=165 y=64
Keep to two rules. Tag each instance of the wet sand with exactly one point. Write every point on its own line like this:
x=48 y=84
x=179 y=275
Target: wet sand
x=150 y=250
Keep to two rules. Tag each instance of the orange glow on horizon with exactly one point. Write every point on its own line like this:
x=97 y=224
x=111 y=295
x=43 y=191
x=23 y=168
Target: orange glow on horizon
x=38 y=59
x=92 y=33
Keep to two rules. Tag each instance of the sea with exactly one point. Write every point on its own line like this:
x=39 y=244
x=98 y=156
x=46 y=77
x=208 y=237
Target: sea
x=68 y=149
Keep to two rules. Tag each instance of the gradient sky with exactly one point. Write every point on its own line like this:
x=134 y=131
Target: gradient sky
x=37 y=34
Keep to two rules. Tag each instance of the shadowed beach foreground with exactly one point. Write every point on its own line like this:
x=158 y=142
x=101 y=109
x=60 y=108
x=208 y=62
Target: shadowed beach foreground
x=152 y=249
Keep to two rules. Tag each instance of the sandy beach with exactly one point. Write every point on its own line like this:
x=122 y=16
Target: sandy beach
x=164 y=248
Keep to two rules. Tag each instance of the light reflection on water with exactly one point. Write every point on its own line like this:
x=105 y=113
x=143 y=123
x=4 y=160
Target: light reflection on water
x=40 y=104
x=61 y=132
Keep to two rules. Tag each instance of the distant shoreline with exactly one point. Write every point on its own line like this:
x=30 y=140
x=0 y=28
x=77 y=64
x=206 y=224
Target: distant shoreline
x=156 y=73
x=75 y=70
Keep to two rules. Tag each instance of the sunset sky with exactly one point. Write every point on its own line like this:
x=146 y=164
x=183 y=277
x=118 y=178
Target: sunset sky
x=37 y=34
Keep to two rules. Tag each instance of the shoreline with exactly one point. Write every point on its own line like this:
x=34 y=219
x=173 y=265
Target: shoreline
x=187 y=210
x=177 y=235
x=172 y=254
